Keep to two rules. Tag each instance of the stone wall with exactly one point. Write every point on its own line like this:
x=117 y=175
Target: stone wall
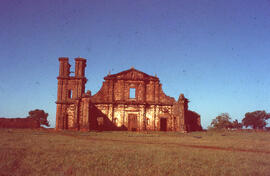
x=19 y=123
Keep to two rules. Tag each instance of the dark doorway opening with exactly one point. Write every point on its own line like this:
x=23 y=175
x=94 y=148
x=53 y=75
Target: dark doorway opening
x=132 y=122
x=163 y=124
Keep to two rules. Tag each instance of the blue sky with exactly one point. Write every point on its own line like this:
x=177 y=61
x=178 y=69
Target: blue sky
x=215 y=52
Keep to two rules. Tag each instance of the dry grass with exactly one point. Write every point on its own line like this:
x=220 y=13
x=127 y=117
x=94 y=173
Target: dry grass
x=44 y=152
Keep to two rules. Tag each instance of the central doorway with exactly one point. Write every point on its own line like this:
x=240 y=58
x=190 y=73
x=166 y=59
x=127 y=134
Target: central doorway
x=132 y=122
x=163 y=124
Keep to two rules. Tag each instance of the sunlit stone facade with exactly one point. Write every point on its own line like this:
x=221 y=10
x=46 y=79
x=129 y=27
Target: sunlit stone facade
x=129 y=100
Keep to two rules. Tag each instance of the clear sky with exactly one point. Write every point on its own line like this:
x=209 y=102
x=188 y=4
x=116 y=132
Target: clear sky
x=216 y=52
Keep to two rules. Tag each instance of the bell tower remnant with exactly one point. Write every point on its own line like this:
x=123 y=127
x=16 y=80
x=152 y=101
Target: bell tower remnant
x=69 y=92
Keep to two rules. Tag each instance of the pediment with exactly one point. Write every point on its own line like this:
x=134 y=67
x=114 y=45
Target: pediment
x=131 y=74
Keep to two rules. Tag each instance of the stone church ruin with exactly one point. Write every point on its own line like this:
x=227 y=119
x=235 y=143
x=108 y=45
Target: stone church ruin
x=130 y=100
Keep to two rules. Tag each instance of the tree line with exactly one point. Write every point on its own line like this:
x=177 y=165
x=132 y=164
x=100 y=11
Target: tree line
x=254 y=120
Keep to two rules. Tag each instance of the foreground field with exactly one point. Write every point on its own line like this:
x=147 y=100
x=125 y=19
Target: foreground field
x=45 y=152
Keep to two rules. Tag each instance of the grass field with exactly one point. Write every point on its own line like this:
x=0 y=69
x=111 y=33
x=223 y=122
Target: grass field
x=45 y=152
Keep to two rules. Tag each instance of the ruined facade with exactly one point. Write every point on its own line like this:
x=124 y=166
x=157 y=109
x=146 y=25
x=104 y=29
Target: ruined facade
x=129 y=100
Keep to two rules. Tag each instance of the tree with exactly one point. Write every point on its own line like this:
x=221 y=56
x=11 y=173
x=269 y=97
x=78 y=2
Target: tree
x=256 y=119
x=222 y=121
x=40 y=116
x=236 y=124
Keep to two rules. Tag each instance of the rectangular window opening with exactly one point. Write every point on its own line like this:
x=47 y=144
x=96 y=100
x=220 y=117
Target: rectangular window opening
x=132 y=93
x=69 y=93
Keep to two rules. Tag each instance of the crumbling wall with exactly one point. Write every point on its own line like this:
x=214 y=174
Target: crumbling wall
x=186 y=120
x=19 y=123
x=193 y=121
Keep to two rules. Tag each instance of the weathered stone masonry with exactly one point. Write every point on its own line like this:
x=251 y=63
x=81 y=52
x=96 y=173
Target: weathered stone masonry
x=129 y=100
